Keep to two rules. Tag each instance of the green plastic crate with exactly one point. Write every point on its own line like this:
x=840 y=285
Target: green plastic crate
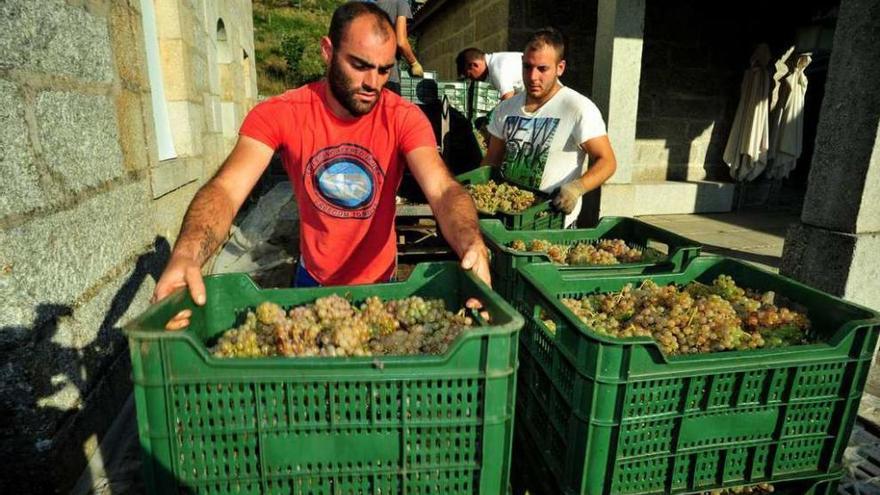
x=483 y=99
x=529 y=476
x=540 y=216
x=616 y=416
x=324 y=426
x=456 y=92
x=677 y=251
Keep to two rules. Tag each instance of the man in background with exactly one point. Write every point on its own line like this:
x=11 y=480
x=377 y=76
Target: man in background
x=400 y=14
x=503 y=70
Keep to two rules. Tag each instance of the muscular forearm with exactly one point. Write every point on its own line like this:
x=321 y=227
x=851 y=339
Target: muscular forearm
x=205 y=225
x=598 y=173
x=457 y=217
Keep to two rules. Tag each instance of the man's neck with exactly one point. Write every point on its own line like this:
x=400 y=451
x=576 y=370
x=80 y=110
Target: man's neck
x=533 y=104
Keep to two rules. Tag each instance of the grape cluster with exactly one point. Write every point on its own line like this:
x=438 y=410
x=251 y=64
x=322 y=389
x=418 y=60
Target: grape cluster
x=603 y=252
x=761 y=488
x=492 y=197
x=332 y=326
x=697 y=318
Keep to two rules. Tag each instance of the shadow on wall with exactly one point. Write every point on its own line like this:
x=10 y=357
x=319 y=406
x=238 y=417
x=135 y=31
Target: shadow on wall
x=43 y=445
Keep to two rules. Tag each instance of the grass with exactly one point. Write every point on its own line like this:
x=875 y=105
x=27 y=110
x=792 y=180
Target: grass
x=286 y=42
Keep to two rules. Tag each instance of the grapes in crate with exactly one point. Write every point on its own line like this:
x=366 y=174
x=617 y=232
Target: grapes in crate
x=696 y=318
x=333 y=326
x=601 y=252
x=491 y=197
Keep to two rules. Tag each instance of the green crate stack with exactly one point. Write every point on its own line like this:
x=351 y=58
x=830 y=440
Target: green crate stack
x=610 y=415
x=483 y=99
x=665 y=251
x=324 y=426
x=540 y=216
x=419 y=90
x=456 y=92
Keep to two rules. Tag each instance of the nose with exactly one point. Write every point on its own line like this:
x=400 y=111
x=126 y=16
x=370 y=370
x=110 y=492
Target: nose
x=371 y=80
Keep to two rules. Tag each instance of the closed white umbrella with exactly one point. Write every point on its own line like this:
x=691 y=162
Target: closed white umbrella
x=747 y=145
x=788 y=133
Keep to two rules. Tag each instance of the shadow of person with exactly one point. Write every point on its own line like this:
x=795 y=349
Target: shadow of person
x=59 y=394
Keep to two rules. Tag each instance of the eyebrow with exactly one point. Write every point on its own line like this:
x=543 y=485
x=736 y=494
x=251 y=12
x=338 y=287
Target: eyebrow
x=370 y=65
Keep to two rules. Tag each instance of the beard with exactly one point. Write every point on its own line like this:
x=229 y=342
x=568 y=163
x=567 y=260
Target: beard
x=344 y=91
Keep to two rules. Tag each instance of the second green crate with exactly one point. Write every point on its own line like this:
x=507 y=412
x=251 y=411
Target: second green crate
x=670 y=251
x=614 y=415
x=540 y=216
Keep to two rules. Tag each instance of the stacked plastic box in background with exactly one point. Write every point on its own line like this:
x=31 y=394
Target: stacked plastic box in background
x=483 y=99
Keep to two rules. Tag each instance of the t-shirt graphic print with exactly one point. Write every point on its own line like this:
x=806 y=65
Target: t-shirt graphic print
x=527 y=147
x=343 y=181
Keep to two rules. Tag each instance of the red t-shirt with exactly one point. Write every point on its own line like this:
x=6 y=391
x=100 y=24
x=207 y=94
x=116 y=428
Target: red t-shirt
x=345 y=175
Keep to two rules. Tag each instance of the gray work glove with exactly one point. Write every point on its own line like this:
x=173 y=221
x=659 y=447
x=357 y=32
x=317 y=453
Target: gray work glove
x=568 y=195
x=416 y=69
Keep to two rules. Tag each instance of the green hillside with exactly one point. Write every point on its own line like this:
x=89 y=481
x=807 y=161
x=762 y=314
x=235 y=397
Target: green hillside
x=286 y=39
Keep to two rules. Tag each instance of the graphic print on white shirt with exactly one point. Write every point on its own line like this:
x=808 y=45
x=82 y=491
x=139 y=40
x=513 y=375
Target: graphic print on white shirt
x=527 y=146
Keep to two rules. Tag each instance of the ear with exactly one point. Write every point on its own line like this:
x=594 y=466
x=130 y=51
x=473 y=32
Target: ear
x=560 y=68
x=326 y=50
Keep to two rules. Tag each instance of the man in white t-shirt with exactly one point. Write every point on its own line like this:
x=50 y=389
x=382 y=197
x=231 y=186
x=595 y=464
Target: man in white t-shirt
x=503 y=70
x=541 y=138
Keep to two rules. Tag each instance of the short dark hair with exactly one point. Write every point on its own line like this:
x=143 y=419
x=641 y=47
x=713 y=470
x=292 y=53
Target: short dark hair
x=548 y=36
x=348 y=12
x=465 y=57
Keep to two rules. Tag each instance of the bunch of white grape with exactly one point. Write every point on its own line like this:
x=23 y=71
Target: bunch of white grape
x=697 y=318
x=333 y=326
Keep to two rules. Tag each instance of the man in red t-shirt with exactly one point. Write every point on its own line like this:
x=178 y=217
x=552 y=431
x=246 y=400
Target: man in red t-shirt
x=344 y=142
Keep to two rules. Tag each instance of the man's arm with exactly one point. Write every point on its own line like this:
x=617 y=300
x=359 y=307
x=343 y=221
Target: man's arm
x=494 y=152
x=507 y=95
x=604 y=162
x=453 y=208
x=603 y=167
x=207 y=222
x=403 y=40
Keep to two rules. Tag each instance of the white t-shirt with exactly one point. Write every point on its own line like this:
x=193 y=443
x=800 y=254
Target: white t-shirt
x=505 y=71
x=542 y=149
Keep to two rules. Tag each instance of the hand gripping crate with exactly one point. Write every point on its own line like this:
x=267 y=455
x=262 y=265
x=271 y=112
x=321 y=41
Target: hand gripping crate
x=665 y=251
x=540 y=216
x=324 y=426
x=610 y=415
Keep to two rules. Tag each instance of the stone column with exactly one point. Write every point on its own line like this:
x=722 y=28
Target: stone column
x=616 y=74
x=836 y=246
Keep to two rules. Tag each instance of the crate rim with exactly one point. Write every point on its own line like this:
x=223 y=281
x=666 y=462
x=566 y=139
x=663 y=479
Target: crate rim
x=493 y=228
x=744 y=358
x=133 y=328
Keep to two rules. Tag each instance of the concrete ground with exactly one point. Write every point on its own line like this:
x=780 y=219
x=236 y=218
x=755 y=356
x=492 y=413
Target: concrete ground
x=754 y=236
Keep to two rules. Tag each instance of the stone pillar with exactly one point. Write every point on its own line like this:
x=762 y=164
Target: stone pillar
x=835 y=247
x=616 y=73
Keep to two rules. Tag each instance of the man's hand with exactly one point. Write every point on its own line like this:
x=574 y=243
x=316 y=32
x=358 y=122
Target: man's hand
x=416 y=69
x=180 y=272
x=568 y=195
x=476 y=259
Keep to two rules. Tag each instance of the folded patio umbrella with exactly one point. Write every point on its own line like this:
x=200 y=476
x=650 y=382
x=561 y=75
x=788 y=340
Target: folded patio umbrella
x=747 y=145
x=788 y=131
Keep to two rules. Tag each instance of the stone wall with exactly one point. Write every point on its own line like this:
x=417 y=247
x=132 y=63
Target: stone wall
x=577 y=20
x=88 y=213
x=692 y=68
x=456 y=25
